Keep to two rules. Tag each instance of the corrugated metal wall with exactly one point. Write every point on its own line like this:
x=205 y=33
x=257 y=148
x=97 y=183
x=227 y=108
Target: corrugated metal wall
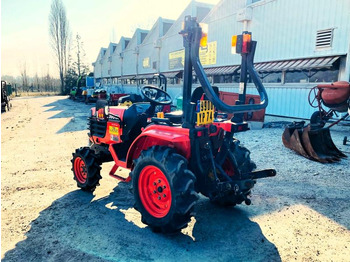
x=287 y=29
x=284 y=30
x=148 y=51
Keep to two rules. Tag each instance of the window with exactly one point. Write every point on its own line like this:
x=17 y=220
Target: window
x=312 y=76
x=274 y=77
x=324 y=76
x=324 y=38
x=296 y=77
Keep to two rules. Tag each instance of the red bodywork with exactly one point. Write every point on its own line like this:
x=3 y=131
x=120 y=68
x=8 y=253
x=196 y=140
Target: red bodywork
x=114 y=130
x=175 y=137
x=152 y=135
x=230 y=98
x=335 y=93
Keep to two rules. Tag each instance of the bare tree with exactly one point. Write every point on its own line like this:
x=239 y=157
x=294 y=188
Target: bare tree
x=24 y=76
x=59 y=36
x=36 y=82
x=81 y=67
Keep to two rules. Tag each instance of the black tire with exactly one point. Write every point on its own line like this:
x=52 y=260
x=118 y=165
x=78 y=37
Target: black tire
x=317 y=120
x=86 y=169
x=163 y=209
x=245 y=165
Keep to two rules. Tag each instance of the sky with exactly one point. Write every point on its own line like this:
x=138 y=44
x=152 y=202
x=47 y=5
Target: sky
x=25 y=28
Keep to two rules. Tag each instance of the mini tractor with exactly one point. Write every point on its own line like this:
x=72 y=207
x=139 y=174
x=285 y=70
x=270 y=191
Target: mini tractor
x=175 y=156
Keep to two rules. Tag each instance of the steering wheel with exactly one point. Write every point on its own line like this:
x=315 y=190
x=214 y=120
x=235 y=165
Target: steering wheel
x=156 y=95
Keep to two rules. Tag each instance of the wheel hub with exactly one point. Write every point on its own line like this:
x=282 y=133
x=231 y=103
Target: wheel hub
x=80 y=170
x=154 y=190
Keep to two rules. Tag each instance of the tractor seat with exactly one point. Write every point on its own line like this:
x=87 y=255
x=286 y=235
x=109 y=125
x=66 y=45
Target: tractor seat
x=176 y=116
x=134 y=98
x=134 y=118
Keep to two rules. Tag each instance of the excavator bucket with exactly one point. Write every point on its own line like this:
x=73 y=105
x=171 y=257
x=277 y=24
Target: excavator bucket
x=291 y=138
x=313 y=144
x=319 y=145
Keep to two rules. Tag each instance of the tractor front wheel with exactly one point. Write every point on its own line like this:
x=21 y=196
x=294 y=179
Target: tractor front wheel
x=163 y=189
x=86 y=169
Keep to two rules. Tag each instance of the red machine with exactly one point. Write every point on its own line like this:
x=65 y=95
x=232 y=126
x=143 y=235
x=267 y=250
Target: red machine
x=335 y=96
x=176 y=155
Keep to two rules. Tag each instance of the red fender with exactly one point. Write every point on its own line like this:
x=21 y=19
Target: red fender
x=175 y=137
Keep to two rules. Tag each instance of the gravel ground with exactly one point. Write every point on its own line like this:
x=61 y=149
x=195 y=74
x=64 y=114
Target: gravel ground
x=302 y=214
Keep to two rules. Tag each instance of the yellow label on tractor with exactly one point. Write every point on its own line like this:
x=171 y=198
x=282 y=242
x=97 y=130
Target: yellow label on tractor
x=206 y=113
x=126 y=103
x=113 y=130
x=160 y=114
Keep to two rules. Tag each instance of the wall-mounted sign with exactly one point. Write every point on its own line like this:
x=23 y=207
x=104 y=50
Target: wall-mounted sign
x=177 y=59
x=146 y=62
x=207 y=56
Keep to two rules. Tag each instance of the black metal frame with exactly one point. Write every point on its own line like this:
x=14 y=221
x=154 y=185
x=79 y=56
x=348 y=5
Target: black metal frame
x=209 y=152
x=192 y=34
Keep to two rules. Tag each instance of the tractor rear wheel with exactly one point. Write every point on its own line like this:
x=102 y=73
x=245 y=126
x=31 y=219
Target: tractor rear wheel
x=86 y=169
x=163 y=189
x=245 y=165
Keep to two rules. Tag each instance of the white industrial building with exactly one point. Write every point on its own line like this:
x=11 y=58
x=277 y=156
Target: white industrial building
x=300 y=43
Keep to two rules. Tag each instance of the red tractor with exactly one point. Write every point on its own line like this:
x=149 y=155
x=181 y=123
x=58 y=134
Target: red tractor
x=174 y=156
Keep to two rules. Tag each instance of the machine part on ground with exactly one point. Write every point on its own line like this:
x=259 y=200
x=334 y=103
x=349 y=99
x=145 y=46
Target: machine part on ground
x=172 y=157
x=313 y=144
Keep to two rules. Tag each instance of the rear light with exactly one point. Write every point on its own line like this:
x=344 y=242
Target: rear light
x=234 y=44
x=246 y=42
x=204 y=38
x=241 y=43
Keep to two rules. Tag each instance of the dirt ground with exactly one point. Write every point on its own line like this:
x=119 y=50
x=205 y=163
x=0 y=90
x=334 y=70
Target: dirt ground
x=302 y=214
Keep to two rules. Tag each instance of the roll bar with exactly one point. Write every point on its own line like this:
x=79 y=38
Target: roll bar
x=192 y=34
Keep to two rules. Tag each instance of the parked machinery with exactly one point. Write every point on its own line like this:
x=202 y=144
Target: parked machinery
x=314 y=140
x=172 y=161
x=335 y=96
x=5 y=99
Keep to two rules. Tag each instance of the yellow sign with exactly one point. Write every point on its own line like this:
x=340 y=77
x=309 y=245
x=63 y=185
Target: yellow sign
x=146 y=62
x=206 y=113
x=177 y=59
x=207 y=56
x=114 y=130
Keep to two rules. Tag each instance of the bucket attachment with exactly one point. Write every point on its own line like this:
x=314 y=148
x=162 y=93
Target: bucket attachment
x=313 y=144
x=291 y=138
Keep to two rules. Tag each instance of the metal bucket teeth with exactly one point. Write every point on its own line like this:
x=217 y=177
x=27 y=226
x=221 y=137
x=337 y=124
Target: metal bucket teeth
x=313 y=144
x=291 y=139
